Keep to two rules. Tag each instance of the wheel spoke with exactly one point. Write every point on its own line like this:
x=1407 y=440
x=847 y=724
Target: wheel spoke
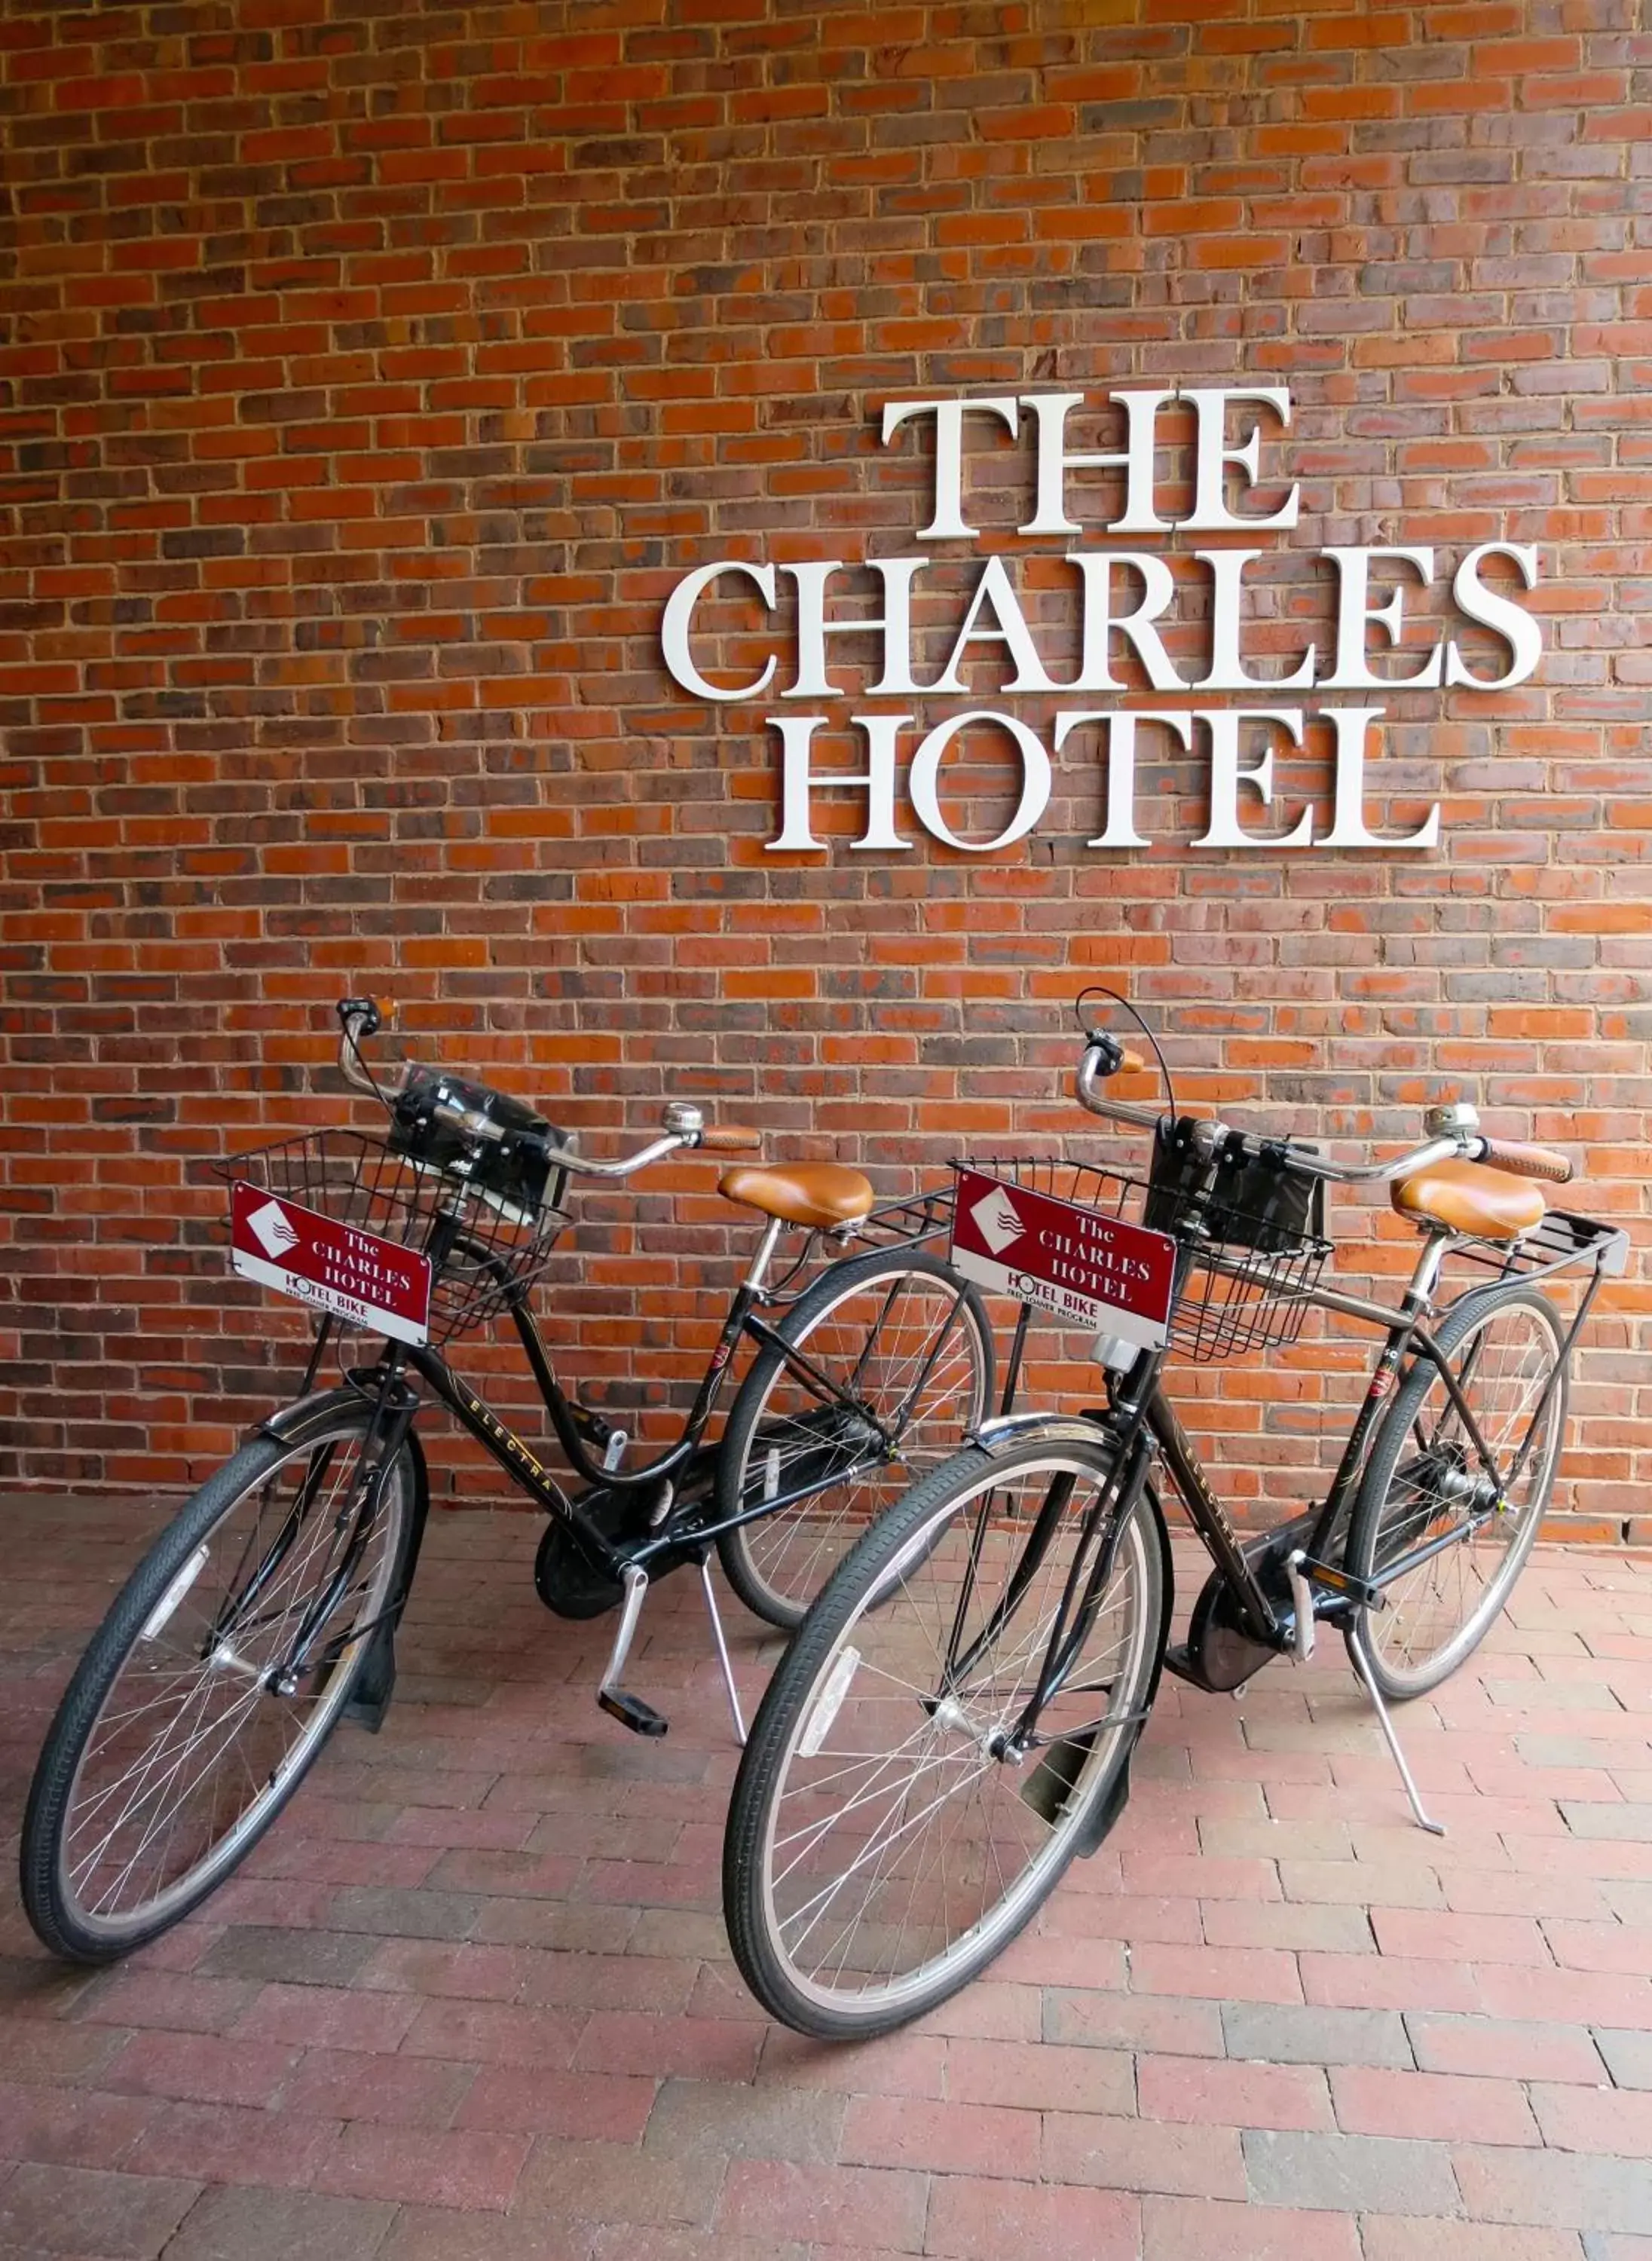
x=896 y=1852
x=1437 y=1608
x=187 y=1753
x=907 y=1367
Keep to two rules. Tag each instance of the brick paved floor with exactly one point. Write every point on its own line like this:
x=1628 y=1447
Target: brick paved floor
x=471 y=1997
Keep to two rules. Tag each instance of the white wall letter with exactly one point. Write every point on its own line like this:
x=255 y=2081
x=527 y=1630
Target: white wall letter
x=1158 y=591
x=926 y=766
x=1226 y=776
x=1501 y=614
x=894 y=624
x=947 y=525
x=1212 y=455
x=1355 y=610
x=1120 y=830
x=680 y=610
x=1141 y=410
x=995 y=590
x=797 y=782
x=1347 y=813
x=1227 y=606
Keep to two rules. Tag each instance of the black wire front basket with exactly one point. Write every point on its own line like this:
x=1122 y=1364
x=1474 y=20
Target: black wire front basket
x=363 y=1183
x=1249 y=1235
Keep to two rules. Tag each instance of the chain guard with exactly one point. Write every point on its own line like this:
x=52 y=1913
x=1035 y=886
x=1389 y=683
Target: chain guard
x=1218 y=1654
x=567 y=1581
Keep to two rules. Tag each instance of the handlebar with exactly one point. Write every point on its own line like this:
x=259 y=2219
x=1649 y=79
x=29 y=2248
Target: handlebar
x=359 y=1018
x=1526 y=1161
x=1094 y=1068
x=729 y=1139
x=684 y=1125
x=1456 y=1128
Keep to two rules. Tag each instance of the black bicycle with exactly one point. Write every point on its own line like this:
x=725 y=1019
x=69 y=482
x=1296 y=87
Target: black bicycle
x=955 y=1717
x=267 y=1609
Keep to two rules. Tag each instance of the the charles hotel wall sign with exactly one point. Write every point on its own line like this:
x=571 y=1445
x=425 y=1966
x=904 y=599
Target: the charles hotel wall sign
x=1127 y=593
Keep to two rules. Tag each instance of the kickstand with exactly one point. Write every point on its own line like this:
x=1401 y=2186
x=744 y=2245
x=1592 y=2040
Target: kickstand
x=1434 y=1828
x=715 y=1616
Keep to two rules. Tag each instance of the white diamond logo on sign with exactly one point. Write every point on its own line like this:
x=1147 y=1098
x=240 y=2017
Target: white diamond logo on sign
x=997 y=1221
x=275 y=1229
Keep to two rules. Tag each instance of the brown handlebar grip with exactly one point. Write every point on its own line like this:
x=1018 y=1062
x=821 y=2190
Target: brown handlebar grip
x=1131 y=1063
x=730 y=1138
x=1527 y=1161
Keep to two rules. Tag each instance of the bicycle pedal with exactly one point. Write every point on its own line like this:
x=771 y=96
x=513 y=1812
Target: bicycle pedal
x=631 y=1711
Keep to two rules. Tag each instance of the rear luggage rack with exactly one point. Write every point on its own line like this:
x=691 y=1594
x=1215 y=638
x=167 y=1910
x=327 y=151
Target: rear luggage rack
x=1562 y=1240
x=915 y=1217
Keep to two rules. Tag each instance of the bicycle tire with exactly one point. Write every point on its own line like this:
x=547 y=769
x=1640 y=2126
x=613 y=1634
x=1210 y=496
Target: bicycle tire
x=172 y=1580
x=868 y=1322
x=826 y=1720
x=1406 y=1494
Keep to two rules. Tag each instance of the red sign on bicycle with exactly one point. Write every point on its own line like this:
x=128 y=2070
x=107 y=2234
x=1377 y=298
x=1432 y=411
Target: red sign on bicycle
x=355 y=1276
x=1080 y=1265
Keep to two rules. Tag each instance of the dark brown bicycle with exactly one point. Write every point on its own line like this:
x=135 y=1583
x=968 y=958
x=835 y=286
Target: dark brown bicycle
x=955 y=1720
x=265 y=1612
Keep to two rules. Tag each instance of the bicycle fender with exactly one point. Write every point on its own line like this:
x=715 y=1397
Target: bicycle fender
x=421 y=1503
x=998 y=1437
x=1100 y=1823
x=293 y=1424
x=1002 y=1433
x=1166 y=1571
x=1052 y=1783
x=376 y=1683
x=296 y=1424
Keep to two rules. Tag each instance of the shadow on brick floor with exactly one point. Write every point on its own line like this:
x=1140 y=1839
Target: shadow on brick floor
x=471 y=1996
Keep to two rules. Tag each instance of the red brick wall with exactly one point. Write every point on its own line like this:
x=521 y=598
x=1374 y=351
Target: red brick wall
x=373 y=372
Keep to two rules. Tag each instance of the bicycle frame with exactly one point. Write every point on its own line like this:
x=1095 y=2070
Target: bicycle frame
x=657 y=1489
x=1405 y=1334
x=1138 y=1404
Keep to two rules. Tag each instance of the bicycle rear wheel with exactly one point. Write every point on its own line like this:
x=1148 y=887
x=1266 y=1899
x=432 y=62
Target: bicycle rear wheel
x=1446 y=1530
x=883 y=1845
x=909 y=1345
x=172 y=1750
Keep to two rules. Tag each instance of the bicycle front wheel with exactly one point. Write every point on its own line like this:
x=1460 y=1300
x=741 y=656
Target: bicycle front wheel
x=894 y=1368
x=884 y=1841
x=1444 y=1527
x=211 y=1684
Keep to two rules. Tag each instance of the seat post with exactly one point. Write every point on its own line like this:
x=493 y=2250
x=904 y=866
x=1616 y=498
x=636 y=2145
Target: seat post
x=760 y=1262
x=1424 y=1276
x=1425 y=1273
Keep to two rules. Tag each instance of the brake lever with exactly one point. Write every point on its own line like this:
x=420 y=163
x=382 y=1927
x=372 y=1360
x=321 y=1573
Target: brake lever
x=359 y=1018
